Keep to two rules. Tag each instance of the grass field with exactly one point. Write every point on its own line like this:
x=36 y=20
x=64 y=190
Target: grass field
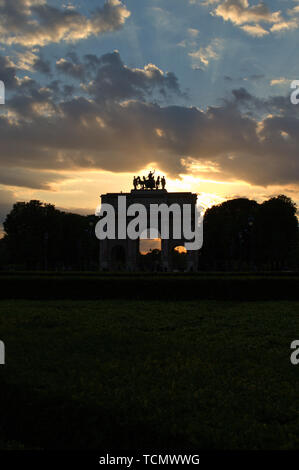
x=144 y=374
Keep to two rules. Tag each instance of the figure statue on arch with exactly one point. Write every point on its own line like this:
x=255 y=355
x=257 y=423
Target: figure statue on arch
x=158 y=182
x=149 y=182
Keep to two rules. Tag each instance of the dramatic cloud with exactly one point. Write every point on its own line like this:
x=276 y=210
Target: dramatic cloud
x=8 y=72
x=257 y=20
x=42 y=66
x=31 y=62
x=203 y=56
x=75 y=70
x=245 y=138
x=110 y=78
x=34 y=22
x=25 y=177
x=255 y=30
x=113 y=125
x=240 y=12
x=72 y=117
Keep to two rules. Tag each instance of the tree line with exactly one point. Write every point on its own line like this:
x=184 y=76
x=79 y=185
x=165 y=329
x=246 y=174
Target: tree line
x=40 y=237
x=239 y=234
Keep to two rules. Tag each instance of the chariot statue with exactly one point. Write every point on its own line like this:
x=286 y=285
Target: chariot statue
x=149 y=183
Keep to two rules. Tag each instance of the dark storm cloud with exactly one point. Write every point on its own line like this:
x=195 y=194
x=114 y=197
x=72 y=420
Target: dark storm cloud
x=242 y=95
x=125 y=138
x=29 y=101
x=41 y=65
x=110 y=79
x=34 y=22
x=61 y=90
x=71 y=68
x=117 y=81
x=8 y=73
x=23 y=177
x=112 y=127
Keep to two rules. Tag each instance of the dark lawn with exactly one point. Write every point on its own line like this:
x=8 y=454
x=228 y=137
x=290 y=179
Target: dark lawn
x=134 y=374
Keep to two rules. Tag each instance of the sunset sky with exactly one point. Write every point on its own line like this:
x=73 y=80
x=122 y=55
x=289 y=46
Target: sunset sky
x=97 y=92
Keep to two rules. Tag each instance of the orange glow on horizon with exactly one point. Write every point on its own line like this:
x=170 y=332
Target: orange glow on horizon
x=180 y=249
x=148 y=245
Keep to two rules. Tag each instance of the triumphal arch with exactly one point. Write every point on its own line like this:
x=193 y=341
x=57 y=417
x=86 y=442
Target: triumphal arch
x=123 y=253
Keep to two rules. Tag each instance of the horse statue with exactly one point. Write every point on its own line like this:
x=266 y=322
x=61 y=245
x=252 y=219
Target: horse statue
x=149 y=182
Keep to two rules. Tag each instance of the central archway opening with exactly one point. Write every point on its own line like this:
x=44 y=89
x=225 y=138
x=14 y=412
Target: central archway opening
x=150 y=245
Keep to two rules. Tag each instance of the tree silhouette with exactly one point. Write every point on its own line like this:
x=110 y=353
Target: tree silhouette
x=228 y=231
x=242 y=234
x=39 y=236
x=276 y=232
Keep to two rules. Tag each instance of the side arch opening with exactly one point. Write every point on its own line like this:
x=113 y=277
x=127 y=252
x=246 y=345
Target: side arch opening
x=179 y=258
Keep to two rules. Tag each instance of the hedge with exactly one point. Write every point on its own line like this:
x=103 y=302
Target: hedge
x=150 y=287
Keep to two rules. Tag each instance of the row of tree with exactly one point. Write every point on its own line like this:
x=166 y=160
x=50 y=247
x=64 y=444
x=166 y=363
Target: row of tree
x=40 y=237
x=239 y=234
